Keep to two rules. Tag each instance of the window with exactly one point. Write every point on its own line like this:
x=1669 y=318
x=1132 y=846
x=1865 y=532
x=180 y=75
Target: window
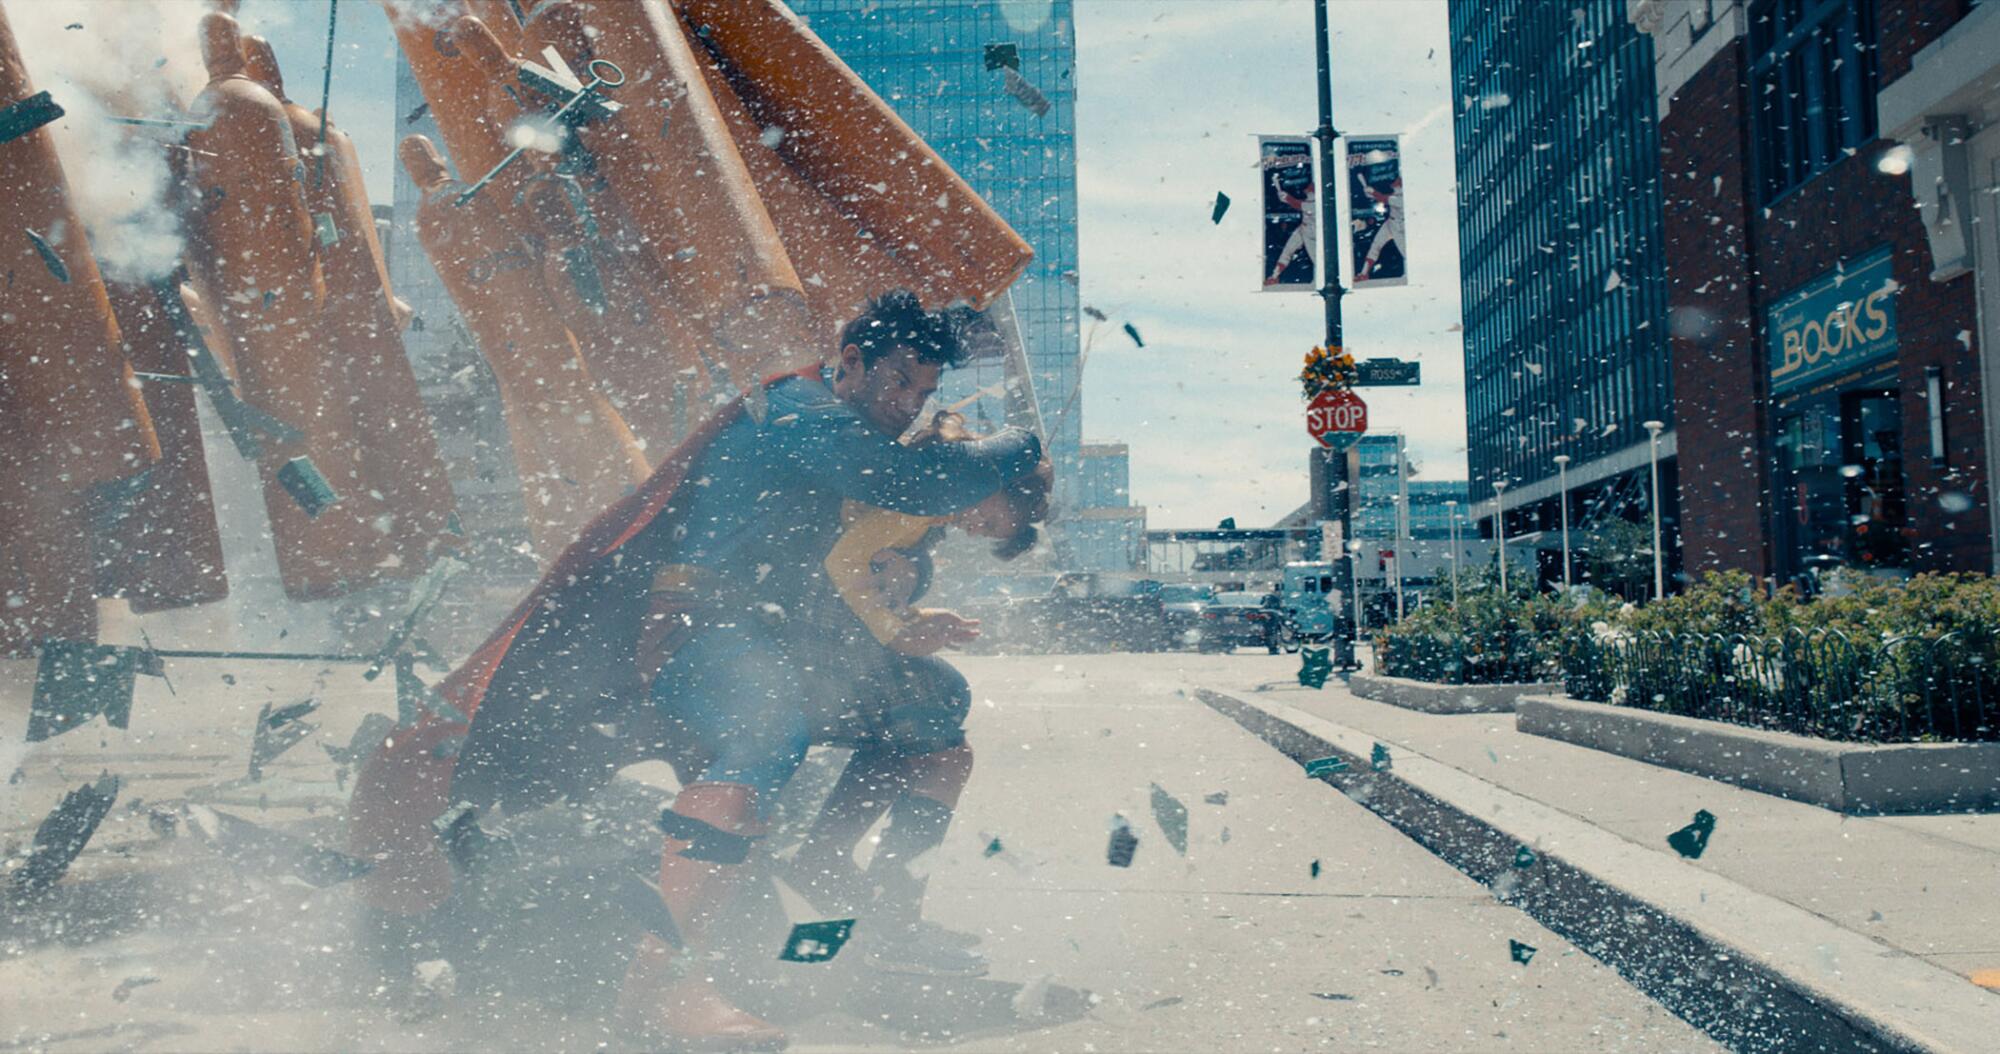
x=1812 y=87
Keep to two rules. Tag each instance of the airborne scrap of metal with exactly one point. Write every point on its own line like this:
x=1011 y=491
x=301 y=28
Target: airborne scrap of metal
x=62 y=835
x=242 y=420
x=278 y=730
x=22 y=116
x=581 y=104
x=78 y=680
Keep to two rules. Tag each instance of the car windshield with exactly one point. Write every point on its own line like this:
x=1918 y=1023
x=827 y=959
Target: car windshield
x=1185 y=594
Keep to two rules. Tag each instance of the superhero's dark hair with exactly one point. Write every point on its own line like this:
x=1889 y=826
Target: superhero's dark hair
x=897 y=320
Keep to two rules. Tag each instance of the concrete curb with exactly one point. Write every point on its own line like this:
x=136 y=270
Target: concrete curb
x=1857 y=778
x=1434 y=698
x=1754 y=972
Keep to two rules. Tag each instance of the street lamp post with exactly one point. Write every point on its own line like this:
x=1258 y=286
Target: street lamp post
x=1562 y=484
x=1659 y=555
x=1330 y=292
x=1402 y=516
x=1354 y=570
x=1451 y=511
x=1500 y=528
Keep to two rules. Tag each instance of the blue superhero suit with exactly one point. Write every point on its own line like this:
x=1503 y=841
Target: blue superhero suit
x=766 y=666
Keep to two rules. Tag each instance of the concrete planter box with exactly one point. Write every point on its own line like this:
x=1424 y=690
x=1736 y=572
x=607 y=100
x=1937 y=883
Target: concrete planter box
x=1856 y=778
x=1433 y=698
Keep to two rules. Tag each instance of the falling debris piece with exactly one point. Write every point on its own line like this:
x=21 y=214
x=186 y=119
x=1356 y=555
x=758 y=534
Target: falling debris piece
x=1096 y=314
x=77 y=680
x=1003 y=56
x=303 y=481
x=1172 y=817
x=1430 y=978
x=325 y=229
x=458 y=833
x=1378 y=758
x=22 y=116
x=125 y=987
x=705 y=841
x=1221 y=206
x=268 y=851
x=1133 y=332
x=1315 y=666
x=816 y=942
x=1123 y=843
x=1392 y=973
x=1027 y=94
x=1156 y=1004
x=50 y=258
x=1314 y=870
x=1521 y=953
x=1334 y=997
x=1322 y=766
x=417 y=114
x=1524 y=858
x=1691 y=840
x=1612 y=281
x=367 y=736
x=993 y=849
x=60 y=838
x=1218 y=798
x=278 y=730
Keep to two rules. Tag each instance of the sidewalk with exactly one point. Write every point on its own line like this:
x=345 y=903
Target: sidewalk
x=1926 y=887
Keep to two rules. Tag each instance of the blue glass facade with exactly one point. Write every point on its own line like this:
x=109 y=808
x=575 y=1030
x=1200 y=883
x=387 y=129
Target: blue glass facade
x=1376 y=492
x=1559 y=234
x=928 y=60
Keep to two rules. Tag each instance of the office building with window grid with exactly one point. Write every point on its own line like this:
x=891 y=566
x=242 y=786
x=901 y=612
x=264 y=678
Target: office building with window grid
x=930 y=60
x=1559 y=242
x=1824 y=333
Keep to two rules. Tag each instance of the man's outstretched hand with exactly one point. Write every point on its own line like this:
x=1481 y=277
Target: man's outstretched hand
x=933 y=630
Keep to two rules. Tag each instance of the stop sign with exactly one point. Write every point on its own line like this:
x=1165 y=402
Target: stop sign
x=1336 y=417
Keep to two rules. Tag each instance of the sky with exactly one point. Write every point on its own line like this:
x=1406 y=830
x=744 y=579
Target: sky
x=1171 y=95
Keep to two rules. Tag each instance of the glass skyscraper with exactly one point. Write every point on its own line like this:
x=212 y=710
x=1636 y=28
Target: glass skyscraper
x=929 y=60
x=1560 y=246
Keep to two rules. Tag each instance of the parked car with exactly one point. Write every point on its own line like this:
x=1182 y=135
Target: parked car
x=1183 y=605
x=1237 y=620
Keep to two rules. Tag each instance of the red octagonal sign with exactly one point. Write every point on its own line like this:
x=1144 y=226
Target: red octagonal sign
x=1336 y=418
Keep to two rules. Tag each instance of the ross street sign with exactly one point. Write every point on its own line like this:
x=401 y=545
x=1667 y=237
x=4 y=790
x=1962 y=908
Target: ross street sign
x=1336 y=418
x=1384 y=373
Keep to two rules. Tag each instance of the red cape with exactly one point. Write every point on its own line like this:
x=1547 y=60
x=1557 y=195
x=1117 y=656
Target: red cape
x=406 y=783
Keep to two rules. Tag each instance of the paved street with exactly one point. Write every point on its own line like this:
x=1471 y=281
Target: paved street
x=1236 y=946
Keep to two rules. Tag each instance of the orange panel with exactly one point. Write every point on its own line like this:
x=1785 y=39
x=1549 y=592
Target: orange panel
x=844 y=139
x=392 y=428
x=251 y=237
x=632 y=337
x=840 y=265
x=670 y=161
x=571 y=447
x=470 y=109
x=67 y=405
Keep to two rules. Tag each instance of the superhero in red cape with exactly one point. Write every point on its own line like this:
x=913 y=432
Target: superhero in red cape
x=717 y=562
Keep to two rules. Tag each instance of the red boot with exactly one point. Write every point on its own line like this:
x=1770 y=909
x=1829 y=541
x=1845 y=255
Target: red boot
x=676 y=1001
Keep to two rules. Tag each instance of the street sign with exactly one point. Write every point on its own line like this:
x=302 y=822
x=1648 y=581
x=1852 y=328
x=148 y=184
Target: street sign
x=1336 y=418
x=1384 y=373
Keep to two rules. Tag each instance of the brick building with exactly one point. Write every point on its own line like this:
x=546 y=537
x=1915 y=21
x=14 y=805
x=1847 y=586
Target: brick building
x=1828 y=398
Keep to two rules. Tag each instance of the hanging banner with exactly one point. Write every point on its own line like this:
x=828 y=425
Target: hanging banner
x=1375 y=210
x=1291 y=213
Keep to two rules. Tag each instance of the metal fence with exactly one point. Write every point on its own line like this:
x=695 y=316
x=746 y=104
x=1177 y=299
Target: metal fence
x=1819 y=683
x=1497 y=657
